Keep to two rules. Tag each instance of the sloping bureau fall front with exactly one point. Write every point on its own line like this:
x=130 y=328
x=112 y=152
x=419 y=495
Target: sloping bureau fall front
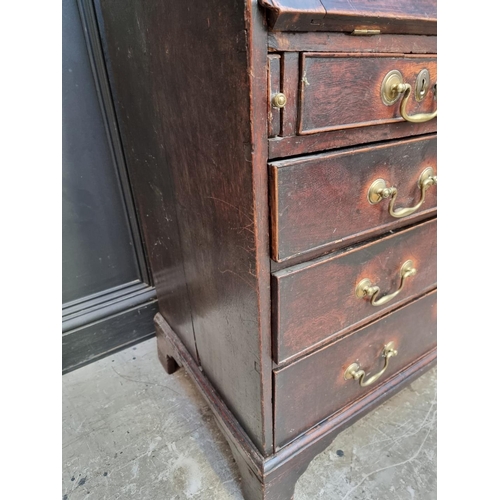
x=282 y=156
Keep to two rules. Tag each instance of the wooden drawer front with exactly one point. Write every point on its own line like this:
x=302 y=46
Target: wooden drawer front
x=316 y=301
x=322 y=200
x=341 y=91
x=314 y=388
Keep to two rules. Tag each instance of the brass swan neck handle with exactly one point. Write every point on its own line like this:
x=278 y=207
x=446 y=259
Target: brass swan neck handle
x=393 y=86
x=354 y=371
x=405 y=89
x=379 y=191
x=366 y=289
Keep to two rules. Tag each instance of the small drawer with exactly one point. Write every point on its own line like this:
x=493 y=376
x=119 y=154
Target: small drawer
x=323 y=201
x=340 y=91
x=329 y=296
x=317 y=386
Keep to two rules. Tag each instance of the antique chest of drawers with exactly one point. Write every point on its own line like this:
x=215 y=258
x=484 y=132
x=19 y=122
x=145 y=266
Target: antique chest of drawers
x=282 y=155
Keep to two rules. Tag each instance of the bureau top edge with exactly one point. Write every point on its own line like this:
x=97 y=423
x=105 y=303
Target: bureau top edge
x=348 y=16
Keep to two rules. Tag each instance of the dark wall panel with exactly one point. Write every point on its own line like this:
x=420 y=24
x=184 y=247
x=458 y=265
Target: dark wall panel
x=98 y=251
x=108 y=300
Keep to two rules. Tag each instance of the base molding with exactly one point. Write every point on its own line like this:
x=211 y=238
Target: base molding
x=273 y=477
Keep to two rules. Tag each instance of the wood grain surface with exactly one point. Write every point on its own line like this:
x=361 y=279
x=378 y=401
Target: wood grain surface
x=322 y=199
x=190 y=83
x=344 y=91
x=281 y=147
x=313 y=388
x=283 y=41
x=274 y=86
x=389 y=16
x=316 y=301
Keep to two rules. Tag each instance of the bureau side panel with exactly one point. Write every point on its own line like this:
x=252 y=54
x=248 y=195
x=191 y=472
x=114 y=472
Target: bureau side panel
x=205 y=58
x=137 y=86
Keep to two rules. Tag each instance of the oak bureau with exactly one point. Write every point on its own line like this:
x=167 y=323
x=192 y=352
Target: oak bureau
x=282 y=155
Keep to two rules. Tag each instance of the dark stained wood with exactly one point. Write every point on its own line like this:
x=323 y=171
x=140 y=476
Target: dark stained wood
x=390 y=16
x=194 y=113
x=291 y=89
x=287 y=14
x=192 y=83
x=313 y=388
x=263 y=478
x=316 y=301
x=343 y=419
x=329 y=249
x=256 y=33
x=282 y=41
x=169 y=344
x=277 y=486
x=322 y=199
x=341 y=91
x=281 y=147
x=166 y=353
x=135 y=86
x=274 y=86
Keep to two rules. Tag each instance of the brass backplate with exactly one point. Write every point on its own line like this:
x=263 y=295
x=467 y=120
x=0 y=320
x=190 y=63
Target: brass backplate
x=428 y=172
x=388 y=90
x=352 y=368
x=423 y=84
x=407 y=266
x=373 y=193
x=361 y=286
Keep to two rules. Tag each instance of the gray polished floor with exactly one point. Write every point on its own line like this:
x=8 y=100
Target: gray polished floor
x=131 y=431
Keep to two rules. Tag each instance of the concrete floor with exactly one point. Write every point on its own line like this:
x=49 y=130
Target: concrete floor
x=131 y=431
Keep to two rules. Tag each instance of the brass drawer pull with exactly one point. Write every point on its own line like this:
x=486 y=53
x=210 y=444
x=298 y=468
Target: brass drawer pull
x=379 y=191
x=365 y=288
x=393 y=86
x=355 y=372
x=278 y=101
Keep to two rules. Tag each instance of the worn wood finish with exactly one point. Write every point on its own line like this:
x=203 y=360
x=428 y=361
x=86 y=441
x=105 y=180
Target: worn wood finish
x=192 y=85
x=389 y=16
x=287 y=14
x=166 y=351
x=205 y=173
x=133 y=84
x=169 y=344
x=316 y=301
x=291 y=89
x=322 y=199
x=281 y=147
x=282 y=41
x=274 y=477
x=317 y=381
x=324 y=251
x=274 y=86
x=340 y=91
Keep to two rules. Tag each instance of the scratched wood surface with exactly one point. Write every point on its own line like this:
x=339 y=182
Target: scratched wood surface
x=317 y=381
x=197 y=152
x=192 y=83
x=308 y=41
x=389 y=16
x=321 y=200
x=316 y=301
x=343 y=91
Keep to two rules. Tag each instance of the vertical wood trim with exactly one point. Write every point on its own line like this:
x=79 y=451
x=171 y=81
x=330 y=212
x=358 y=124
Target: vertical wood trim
x=274 y=86
x=290 y=82
x=257 y=47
